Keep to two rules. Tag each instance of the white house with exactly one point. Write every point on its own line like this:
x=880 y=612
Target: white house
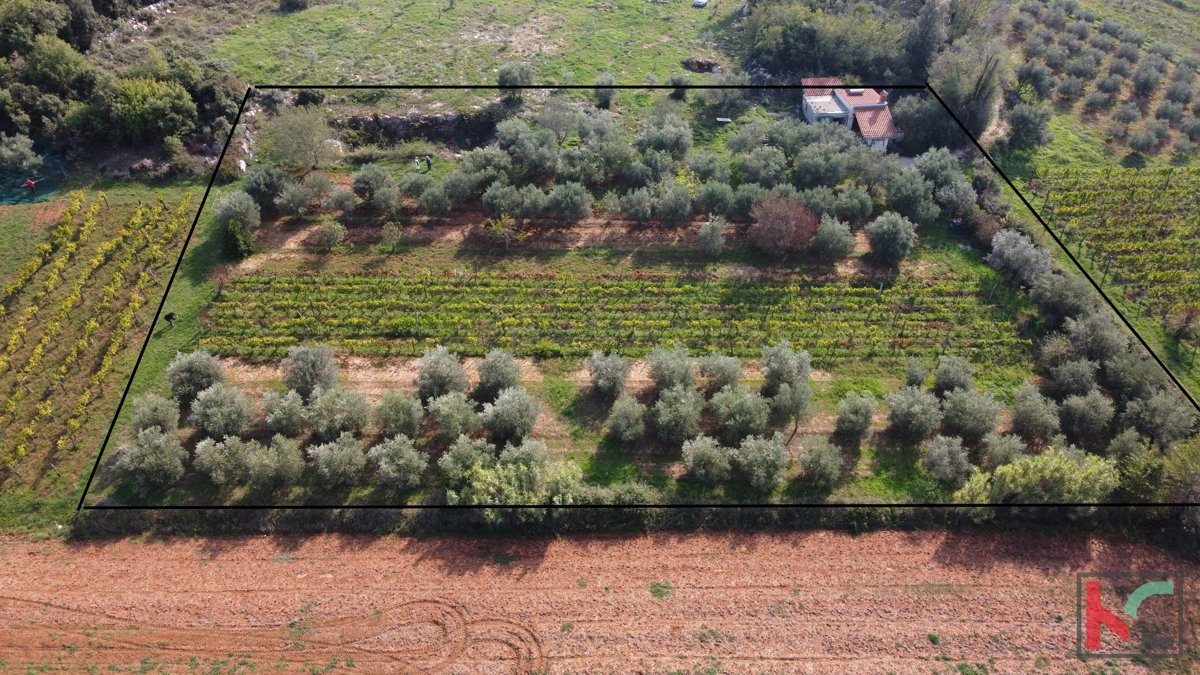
x=860 y=109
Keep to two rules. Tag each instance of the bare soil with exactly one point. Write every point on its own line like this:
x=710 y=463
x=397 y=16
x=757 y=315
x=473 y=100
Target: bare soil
x=807 y=602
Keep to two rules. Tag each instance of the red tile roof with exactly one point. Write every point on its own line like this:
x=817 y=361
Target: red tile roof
x=876 y=123
x=819 y=82
x=864 y=97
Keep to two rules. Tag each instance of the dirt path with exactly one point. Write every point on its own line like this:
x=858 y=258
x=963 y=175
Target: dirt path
x=813 y=602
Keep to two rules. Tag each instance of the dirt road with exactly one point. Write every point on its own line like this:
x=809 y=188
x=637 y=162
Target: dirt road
x=815 y=602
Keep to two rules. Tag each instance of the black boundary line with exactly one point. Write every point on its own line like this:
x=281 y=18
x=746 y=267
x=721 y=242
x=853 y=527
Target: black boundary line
x=1068 y=252
x=586 y=86
x=251 y=89
x=167 y=291
x=757 y=505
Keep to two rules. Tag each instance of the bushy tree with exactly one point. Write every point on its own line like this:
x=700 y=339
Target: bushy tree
x=340 y=462
x=286 y=414
x=713 y=197
x=671 y=368
x=712 y=235
x=792 y=403
x=971 y=413
x=605 y=92
x=1017 y=258
x=782 y=365
x=709 y=168
x=279 y=464
x=1028 y=125
x=706 y=460
x=294 y=200
x=189 y=374
x=530 y=453
x=910 y=195
x=306 y=369
x=739 y=412
x=512 y=77
x=1124 y=445
x=782 y=226
x=398 y=462
x=1083 y=417
x=434 y=202
x=667 y=133
x=856 y=414
x=512 y=416
x=331 y=234
x=626 y=420
x=237 y=206
x=1063 y=296
x=570 y=201
x=953 y=372
x=746 y=197
x=999 y=450
x=821 y=461
x=913 y=414
x=1132 y=375
x=608 y=372
x=439 y=372
x=144 y=111
x=413 y=184
x=1054 y=477
x=833 y=240
x=300 y=137
x=399 y=413
x=498 y=370
x=639 y=204
x=946 y=458
x=915 y=372
x=891 y=235
x=227 y=461
x=264 y=182
x=762 y=462
x=765 y=165
x=455 y=415
x=1076 y=377
x=1036 y=79
x=221 y=411
x=1034 y=415
x=488 y=164
x=464 y=454
x=720 y=370
x=674 y=205
x=152 y=462
x=370 y=180
x=334 y=411
x=152 y=410
x=1165 y=417
x=677 y=413
x=342 y=200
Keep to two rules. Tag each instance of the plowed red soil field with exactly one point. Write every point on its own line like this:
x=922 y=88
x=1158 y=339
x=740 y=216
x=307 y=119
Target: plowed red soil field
x=807 y=602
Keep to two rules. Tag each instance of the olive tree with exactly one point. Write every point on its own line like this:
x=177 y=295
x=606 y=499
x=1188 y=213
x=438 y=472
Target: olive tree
x=1017 y=258
x=971 y=413
x=340 y=462
x=152 y=410
x=1076 y=377
x=720 y=370
x=151 y=462
x=626 y=420
x=464 y=454
x=285 y=413
x=455 y=415
x=821 y=461
x=439 y=372
x=221 y=411
x=398 y=462
x=707 y=461
x=740 y=412
x=677 y=413
x=190 y=374
x=512 y=77
x=399 y=413
x=1082 y=417
x=512 y=416
x=671 y=368
x=226 y=461
x=953 y=372
x=891 y=235
x=336 y=411
x=1165 y=417
x=762 y=462
x=999 y=450
x=782 y=365
x=712 y=235
x=915 y=372
x=237 y=206
x=946 y=458
x=498 y=370
x=833 y=240
x=608 y=372
x=856 y=414
x=1034 y=416
x=279 y=464
x=913 y=414
x=307 y=368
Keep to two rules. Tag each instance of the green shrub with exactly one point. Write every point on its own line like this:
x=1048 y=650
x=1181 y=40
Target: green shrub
x=399 y=413
x=305 y=369
x=821 y=461
x=953 y=372
x=455 y=415
x=720 y=371
x=286 y=414
x=335 y=411
x=238 y=242
x=946 y=458
x=340 y=462
x=439 y=372
x=221 y=411
x=1052 y=477
x=740 y=412
x=677 y=413
x=856 y=413
x=189 y=374
x=1034 y=415
x=398 y=462
x=971 y=413
x=152 y=410
x=891 y=236
x=463 y=455
x=914 y=414
x=512 y=416
x=237 y=206
x=153 y=462
x=147 y=111
x=833 y=240
x=626 y=420
x=280 y=464
x=762 y=462
x=498 y=370
x=707 y=461
x=671 y=368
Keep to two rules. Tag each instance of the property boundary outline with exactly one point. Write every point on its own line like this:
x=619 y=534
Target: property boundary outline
x=760 y=87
